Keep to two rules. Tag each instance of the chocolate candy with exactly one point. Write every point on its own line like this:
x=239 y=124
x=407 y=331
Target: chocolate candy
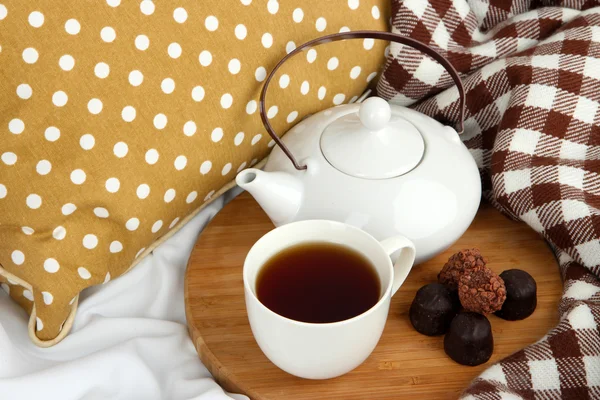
x=521 y=295
x=433 y=308
x=481 y=290
x=469 y=340
x=458 y=264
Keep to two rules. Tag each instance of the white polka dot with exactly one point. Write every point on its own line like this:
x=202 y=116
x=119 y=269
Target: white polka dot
x=128 y=113
x=273 y=110
x=95 y=106
x=83 y=272
x=240 y=31
x=180 y=15
x=51 y=265
x=24 y=91
x=87 y=141
x=174 y=222
x=311 y=56
x=205 y=58
x=33 y=201
x=180 y=162
x=3 y=191
x=355 y=72
x=132 y=224
x=113 y=3
x=333 y=63
x=226 y=169
x=142 y=42
x=368 y=43
x=344 y=29
x=59 y=233
x=167 y=85
x=267 y=40
x=28 y=231
x=305 y=87
x=209 y=195
x=226 y=100
x=217 y=134
x=18 y=257
x=273 y=6
x=284 y=81
x=90 y=241
x=251 y=107
x=16 y=126
x=375 y=12
x=48 y=298
x=239 y=138
x=108 y=34
x=120 y=149
x=9 y=158
x=211 y=23
x=52 y=133
x=68 y=209
x=241 y=167
x=101 y=212
x=147 y=7
x=101 y=70
x=174 y=50
x=142 y=191
x=28 y=295
x=112 y=185
x=321 y=24
x=140 y=252
x=66 y=62
x=246 y=2
x=205 y=167
x=256 y=139
x=152 y=156
x=198 y=93
x=234 y=66
x=36 y=19
x=60 y=98
x=72 y=26
x=260 y=74
x=160 y=121
x=5 y=287
x=78 y=176
x=136 y=78
x=115 y=247
x=371 y=76
x=156 y=226
x=191 y=197
x=30 y=55
x=338 y=98
x=298 y=15
x=353 y=4
x=43 y=167
x=169 y=195
x=292 y=116
x=290 y=46
x=322 y=92
x=39 y=324
x=189 y=128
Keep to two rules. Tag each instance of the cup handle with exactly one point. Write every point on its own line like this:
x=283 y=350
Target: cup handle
x=405 y=260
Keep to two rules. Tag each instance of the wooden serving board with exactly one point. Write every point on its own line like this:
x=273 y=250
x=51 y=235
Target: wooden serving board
x=405 y=364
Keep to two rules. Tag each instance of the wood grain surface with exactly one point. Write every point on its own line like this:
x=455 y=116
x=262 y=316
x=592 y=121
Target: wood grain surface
x=405 y=364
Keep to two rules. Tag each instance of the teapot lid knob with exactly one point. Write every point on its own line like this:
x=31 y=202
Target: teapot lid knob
x=374 y=113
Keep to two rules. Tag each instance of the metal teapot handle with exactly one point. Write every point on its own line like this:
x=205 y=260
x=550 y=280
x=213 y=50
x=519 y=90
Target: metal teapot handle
x=365 y=34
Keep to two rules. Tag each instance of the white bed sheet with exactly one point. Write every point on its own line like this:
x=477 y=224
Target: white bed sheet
x=129 y=340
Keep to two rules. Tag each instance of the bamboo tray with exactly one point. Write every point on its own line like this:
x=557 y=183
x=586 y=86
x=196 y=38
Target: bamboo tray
x=405 y=364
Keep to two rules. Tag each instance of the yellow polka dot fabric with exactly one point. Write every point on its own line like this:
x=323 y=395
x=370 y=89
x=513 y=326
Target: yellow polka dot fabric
x=119 y=119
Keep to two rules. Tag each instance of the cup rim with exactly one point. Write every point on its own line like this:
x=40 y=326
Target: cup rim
x=291 y=225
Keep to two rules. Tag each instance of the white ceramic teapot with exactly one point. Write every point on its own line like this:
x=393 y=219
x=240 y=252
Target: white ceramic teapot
x=384 y=168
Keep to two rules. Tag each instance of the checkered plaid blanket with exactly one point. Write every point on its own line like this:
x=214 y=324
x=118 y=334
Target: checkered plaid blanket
x=531 y=70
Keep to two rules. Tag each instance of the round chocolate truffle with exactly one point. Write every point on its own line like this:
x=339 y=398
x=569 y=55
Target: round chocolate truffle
x=481 y=290
x=521 y=295
x=433 y=308
x=469 y=340
x=457 y=264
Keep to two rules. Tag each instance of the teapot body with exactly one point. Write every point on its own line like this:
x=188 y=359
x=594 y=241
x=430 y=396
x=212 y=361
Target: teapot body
x=432 y=205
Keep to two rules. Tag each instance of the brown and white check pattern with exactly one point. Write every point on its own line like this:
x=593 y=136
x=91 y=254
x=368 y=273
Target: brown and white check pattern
x=531 y=70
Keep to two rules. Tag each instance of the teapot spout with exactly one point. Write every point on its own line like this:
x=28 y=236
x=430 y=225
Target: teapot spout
x=278 y=193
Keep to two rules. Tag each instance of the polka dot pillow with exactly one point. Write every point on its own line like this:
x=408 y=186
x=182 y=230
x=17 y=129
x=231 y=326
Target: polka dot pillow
x=120 y=119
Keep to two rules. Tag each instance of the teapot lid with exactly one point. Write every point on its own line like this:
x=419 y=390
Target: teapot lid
x=373 y=143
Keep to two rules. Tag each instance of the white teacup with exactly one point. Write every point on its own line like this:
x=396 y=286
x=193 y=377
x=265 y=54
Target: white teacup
x=324 y=350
